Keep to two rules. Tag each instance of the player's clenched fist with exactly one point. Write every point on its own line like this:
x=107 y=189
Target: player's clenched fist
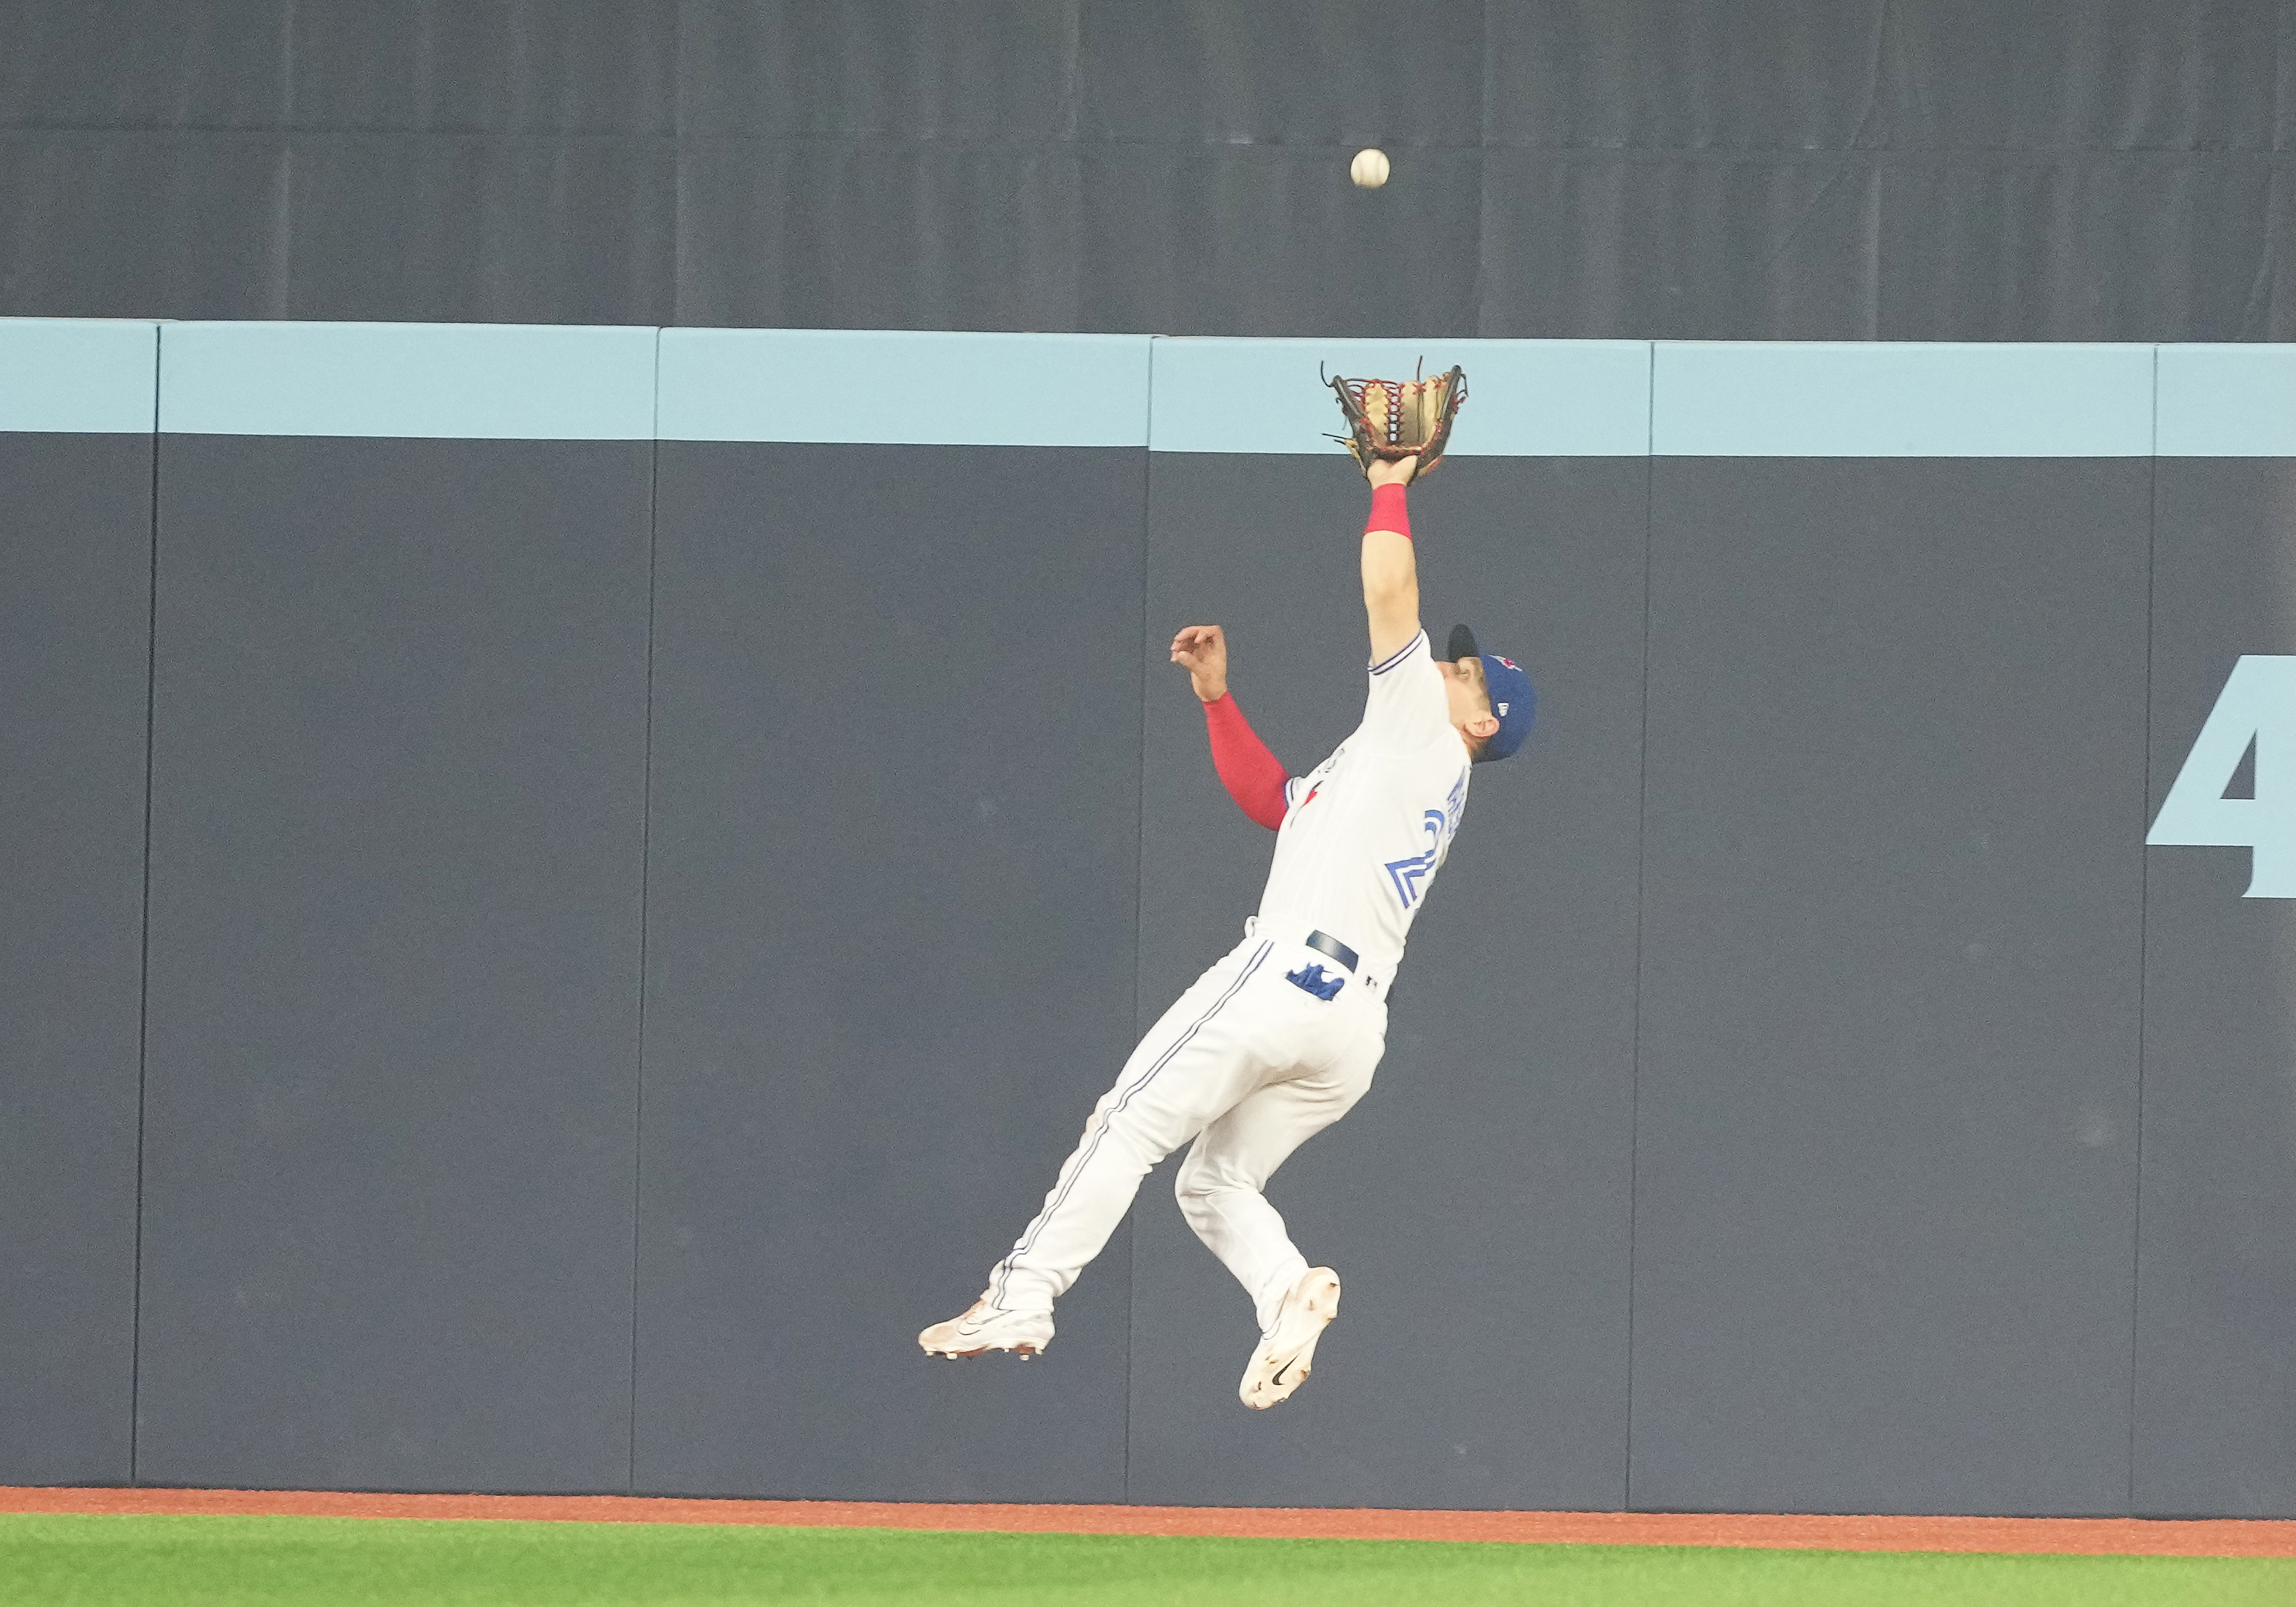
x=1201 y=650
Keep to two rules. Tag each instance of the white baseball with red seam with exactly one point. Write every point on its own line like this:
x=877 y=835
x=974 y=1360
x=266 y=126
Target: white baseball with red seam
x=1369 y=169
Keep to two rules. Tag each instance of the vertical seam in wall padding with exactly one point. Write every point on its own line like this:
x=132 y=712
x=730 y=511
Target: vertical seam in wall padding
x=2143 y=941
x=645 y=859
x=1139 y=888
x=1642 y=833
x=143 y=954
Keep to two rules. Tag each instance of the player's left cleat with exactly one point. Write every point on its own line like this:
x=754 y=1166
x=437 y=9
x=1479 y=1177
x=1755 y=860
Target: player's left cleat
x=1287 y=1351
x=1025 y=1334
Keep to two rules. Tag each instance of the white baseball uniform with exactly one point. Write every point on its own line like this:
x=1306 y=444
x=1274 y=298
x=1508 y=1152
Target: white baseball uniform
x=1263 y=1053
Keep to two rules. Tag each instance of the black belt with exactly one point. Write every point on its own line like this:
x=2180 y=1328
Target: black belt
x=1324 y=943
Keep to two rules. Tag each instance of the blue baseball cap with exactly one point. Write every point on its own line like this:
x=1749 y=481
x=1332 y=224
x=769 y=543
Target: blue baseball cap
x=1512 y=701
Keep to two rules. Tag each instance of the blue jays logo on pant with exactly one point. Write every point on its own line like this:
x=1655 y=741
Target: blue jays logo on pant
x=1311 y=978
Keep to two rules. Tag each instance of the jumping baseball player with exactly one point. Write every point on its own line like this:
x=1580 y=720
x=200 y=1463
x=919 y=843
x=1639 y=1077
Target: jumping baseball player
x=1279 y=1038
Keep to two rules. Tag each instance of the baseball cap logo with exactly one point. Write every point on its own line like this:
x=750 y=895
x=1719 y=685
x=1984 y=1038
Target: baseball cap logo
x=1510 y=663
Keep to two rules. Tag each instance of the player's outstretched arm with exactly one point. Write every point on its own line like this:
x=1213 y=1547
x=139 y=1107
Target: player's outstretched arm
x=1390 y=572
x=1253 y=776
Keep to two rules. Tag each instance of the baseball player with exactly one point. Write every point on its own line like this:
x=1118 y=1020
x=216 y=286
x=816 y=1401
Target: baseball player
x=1279 y=1038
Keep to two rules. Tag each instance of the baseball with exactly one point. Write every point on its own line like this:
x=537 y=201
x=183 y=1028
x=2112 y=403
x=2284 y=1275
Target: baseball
x=1369 y=169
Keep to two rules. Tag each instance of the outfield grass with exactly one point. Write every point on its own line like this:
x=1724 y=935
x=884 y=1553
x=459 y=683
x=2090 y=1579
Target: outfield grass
x=123 y=1562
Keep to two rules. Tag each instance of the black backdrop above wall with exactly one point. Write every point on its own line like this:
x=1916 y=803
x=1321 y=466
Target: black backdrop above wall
x=1893 y=169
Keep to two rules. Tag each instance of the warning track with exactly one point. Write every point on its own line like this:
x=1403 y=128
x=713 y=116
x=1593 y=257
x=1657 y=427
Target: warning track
x=2092 y=1537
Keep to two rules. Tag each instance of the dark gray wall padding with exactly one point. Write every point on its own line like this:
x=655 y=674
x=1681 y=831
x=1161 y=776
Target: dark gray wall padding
x=1892 y=888
x=893 y=908
x=75 y=608
x=1890 y=169
x=1490 y=1169
x=2216 y=1353
x=397 y=845
x=633 y=929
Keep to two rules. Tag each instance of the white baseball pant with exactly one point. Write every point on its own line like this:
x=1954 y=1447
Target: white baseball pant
x=1248 y=1064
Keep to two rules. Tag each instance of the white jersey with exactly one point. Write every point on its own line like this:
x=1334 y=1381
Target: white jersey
x=1260 y=1055
x=1365 y=831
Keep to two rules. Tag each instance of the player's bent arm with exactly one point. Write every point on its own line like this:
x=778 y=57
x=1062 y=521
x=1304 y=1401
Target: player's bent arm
x=1252 y=774
x=1390 y=569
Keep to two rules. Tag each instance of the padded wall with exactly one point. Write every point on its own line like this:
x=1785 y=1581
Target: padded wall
x=892 y=914
x=396 y=847
x=641 y=898
x=2216 y=1381
x=1489 y=1167
x=75 y=604
x=1891 y=896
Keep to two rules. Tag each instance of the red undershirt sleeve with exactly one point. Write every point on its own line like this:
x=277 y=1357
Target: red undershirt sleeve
x=1254 y=777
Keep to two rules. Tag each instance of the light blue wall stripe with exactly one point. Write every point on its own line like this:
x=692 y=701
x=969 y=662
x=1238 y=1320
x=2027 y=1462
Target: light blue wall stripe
x=495 y=381
x=900 y=388
x=2227 y=401
x=1525 y=398
x=1824 y=399
x=79 y=375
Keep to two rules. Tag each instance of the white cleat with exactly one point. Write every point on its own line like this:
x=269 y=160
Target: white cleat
x=1287 y=1351
x=1024 y=1334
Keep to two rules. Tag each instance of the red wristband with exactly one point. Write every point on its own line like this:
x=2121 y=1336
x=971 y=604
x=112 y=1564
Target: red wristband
x=1389 y=512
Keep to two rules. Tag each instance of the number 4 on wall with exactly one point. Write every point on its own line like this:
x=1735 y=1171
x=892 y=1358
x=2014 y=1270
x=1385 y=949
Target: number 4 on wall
x=2257 y=705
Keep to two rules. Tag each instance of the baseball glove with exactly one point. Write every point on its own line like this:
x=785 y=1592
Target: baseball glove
x=1393 y=419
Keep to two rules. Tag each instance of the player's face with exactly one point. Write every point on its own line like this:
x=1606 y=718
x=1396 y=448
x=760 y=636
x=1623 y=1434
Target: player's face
x=1470 y=698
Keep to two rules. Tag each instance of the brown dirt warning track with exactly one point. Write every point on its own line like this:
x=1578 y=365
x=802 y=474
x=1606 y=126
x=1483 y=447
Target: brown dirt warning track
x=2095 y=1537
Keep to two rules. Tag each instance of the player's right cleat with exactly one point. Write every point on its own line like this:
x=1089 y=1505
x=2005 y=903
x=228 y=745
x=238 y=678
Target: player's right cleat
x=1287 y=1351
x=1024 y=1334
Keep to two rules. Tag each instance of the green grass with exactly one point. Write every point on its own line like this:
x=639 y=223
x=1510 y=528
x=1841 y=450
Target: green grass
x=65 y=1562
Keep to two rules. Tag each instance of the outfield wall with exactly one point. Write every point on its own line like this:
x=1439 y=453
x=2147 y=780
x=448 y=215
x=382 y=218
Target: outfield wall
x=569 y=887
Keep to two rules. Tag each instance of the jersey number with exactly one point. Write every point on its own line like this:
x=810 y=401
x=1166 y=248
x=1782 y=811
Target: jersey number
x=1408 y=874
x=2258 y=705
